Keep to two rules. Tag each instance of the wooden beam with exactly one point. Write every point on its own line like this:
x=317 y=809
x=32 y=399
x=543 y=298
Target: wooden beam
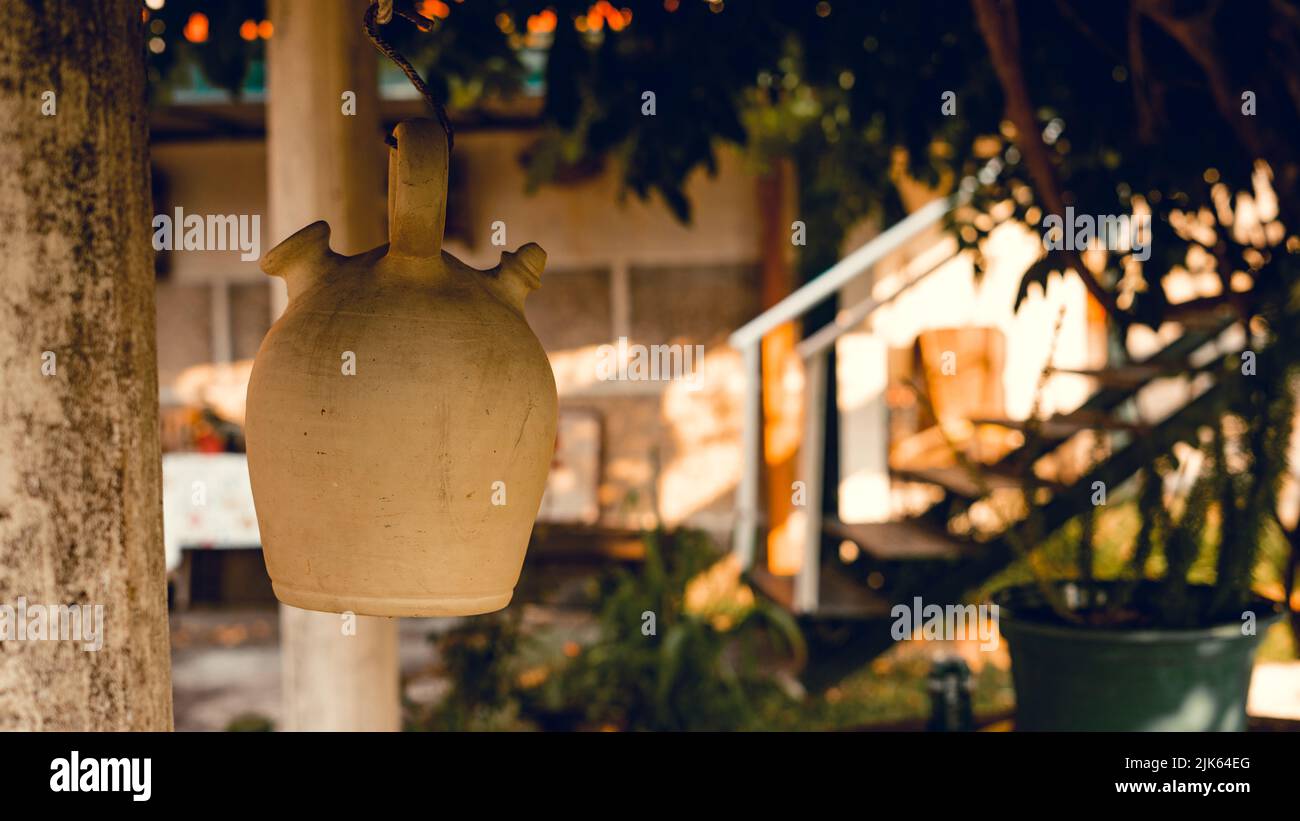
x=781 y=413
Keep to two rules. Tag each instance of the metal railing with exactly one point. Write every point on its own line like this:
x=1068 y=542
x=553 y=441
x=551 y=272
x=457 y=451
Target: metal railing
x=814 y=351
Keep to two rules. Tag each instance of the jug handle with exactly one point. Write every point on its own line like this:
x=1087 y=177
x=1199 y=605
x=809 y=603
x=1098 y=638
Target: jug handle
x=417 y=189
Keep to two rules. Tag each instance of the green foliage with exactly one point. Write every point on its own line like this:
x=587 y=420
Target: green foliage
x=709 y=663
x=250 y=723
x=465 y=59
x=1130 y=114
x=480 y=658
x=1230 y=511
x=1205 y=518
x=701 y=669
x=1204 y=536
x=842 y=90
x=224 y=58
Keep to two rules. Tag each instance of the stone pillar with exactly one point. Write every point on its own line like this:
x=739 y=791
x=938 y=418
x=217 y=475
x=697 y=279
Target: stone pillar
x=340 y=672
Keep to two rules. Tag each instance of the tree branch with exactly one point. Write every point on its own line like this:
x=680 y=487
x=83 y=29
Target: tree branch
x=997 y=22
x=1197 y=36
x=1146 y=98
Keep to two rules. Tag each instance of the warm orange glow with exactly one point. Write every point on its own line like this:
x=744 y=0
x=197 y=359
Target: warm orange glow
x=604 y=12
x=248 y=30
x=533 y=677
x=542 y=23
x=434 y=8
x=671 y=5
x=196 y=28
x=265 y=29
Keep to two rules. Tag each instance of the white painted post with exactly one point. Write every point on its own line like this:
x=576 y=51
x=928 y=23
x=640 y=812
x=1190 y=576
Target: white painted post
x=812 y=455
x=751 y=453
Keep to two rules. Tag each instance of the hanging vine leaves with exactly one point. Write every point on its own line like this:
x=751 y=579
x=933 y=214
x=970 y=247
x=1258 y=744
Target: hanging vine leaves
x=1128 y=106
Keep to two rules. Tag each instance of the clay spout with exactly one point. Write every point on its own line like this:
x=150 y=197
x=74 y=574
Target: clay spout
x=518 y=274
x=302 y=259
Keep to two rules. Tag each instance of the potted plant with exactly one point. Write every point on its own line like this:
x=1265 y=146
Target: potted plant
x=1168 y=642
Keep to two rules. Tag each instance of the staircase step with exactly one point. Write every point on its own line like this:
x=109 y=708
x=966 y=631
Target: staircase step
x=1201 y=330
x=1066 y=425
x=1213 y=319
x=957 y=480
x=1128 y=377
x=839 y=598
x=893 y=541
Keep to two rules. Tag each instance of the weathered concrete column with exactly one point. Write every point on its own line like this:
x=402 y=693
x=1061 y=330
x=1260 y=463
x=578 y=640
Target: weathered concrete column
x=80 y=477
x=326 y=160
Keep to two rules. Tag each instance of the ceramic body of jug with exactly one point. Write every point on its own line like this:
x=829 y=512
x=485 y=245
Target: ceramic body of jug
x=401 y=413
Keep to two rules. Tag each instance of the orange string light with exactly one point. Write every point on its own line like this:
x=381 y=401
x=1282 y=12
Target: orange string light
x=543 y=22
x=434 y=8
x=196 y=28
x=603 y=13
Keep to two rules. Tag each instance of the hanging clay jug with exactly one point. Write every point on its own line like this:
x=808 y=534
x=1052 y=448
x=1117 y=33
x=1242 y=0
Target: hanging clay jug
x=401 y=413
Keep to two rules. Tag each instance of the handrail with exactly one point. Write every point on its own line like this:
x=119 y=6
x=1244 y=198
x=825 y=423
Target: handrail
x=747 y=341
x=849 y=318
x=845 y=271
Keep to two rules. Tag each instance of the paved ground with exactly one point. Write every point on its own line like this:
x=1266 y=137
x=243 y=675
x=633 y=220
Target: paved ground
x=226 y=665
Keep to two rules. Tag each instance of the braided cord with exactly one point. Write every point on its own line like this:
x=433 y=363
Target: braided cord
x=375 y=16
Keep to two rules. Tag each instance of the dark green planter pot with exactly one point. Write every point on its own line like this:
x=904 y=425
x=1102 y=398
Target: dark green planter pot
x=1070 y=678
